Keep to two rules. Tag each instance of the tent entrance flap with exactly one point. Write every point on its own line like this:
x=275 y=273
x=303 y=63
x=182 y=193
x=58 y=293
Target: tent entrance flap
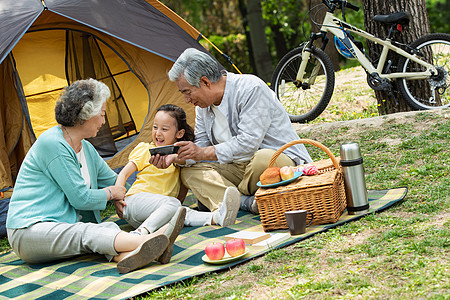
x=84 y=59
x=17 y=137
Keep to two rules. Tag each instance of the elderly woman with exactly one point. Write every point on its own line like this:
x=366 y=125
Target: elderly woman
x=63 y=183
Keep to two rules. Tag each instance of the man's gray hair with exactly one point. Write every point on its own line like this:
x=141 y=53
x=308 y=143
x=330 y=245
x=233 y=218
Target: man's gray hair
x=193 y=64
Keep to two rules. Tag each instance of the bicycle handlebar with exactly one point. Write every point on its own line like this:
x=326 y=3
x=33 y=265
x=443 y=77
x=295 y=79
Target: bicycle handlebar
x=339 y=4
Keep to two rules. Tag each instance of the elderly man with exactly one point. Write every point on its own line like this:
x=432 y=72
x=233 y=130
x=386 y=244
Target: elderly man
x=239 y=125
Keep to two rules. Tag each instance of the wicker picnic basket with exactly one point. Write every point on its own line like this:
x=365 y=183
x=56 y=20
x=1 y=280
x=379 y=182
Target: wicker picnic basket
x=322 y=194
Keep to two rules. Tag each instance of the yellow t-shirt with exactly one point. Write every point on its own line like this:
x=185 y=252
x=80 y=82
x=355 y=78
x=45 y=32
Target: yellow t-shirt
x=151 y=179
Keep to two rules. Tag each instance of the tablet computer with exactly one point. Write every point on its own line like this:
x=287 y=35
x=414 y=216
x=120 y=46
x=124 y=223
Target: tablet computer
x=164 y=150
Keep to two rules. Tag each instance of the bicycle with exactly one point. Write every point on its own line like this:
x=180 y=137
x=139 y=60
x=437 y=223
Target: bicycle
x=304 y=78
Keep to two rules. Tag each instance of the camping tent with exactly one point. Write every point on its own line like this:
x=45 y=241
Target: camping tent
x=46 y=44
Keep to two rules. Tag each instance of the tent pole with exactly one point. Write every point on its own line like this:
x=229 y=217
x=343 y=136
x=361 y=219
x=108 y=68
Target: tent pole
x=223 y=54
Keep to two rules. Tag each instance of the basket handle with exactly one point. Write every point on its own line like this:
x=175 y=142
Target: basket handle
x=304 y=141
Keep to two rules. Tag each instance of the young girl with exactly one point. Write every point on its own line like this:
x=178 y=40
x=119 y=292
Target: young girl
x=152 y=199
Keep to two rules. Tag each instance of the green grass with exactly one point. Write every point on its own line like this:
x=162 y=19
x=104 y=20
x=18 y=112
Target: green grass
x=352 y=98
x=401 y=253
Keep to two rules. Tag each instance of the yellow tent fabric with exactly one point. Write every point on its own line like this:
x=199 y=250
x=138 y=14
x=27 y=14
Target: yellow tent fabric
x=39 y=55
x=44 y=81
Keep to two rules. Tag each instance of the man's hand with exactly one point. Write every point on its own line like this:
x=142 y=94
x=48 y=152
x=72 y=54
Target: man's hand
x=189 y=150
x=162 y=161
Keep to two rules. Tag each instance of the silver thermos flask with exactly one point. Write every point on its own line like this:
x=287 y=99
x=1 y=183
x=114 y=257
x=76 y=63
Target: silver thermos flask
x=354 y=181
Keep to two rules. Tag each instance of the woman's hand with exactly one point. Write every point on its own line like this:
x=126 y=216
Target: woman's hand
x=117 y=192
x=117 y=196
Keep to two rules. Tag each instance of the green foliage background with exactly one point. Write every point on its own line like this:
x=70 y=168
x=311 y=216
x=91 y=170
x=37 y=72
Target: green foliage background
x=439 y=14
x=223 y=24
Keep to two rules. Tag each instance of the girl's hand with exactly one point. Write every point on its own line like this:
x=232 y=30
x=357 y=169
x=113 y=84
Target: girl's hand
x=162 y=161
x=119 y=205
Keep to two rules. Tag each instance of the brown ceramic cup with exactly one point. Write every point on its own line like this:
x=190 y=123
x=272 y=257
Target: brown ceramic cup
x=296 y=220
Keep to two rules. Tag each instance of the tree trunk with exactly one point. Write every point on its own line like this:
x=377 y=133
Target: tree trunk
x=279 y=40
x=317 y=16
x=419 y=25
x=259 y=43
x=243 y=10
x=447 y=9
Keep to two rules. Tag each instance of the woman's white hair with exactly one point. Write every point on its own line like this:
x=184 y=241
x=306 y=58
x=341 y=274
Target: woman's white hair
x=80 y=101
x=93 y=108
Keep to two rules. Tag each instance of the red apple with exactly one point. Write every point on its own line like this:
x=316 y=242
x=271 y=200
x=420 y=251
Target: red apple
x=235 y=247
x=286 y=172
x=215 y=251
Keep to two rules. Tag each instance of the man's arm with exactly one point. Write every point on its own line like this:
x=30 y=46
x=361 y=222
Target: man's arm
x=189 y=150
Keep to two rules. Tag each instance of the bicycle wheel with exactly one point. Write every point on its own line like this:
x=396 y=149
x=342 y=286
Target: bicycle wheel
x=304 y=102
x=432 y=92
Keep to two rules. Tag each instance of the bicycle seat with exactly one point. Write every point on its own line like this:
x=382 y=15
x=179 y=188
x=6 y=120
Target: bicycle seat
x=395 y=18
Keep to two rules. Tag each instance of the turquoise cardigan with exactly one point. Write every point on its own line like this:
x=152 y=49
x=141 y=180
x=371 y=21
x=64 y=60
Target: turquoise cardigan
x=50 y=188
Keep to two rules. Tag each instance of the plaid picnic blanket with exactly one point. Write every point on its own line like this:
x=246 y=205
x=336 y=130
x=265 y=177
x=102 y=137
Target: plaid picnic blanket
x=90 y=276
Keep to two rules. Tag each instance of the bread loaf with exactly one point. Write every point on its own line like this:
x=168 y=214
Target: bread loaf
x=270 y=175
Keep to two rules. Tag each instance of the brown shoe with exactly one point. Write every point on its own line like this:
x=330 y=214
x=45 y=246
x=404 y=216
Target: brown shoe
x=172 y=231
x=147 y=252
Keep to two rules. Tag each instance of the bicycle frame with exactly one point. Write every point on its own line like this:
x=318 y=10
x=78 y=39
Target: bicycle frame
x=336 y=26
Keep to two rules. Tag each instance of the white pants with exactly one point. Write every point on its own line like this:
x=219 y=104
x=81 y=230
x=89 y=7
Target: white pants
x=151 y=211
x=49 y=241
